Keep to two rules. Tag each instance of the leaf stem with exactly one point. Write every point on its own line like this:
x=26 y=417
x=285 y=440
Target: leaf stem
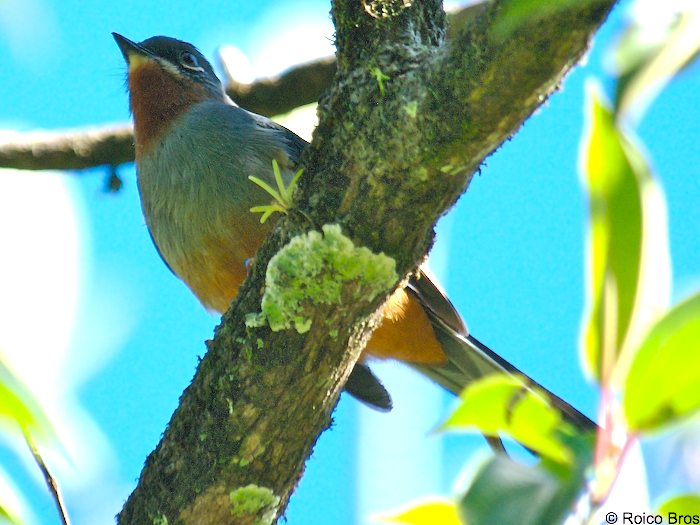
x=50 y=480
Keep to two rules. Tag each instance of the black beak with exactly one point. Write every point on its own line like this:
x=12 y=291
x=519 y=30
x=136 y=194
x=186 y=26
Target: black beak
x=130 y=48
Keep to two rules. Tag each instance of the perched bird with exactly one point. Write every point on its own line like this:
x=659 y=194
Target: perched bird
x=194 y=152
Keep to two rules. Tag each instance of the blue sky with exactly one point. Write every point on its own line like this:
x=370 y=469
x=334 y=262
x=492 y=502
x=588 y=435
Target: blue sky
x=120 y=336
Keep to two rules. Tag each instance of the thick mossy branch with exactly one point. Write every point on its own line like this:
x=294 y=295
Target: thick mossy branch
x=384 y=164
x=482 y=87
x=403 y=155
x=362 y=29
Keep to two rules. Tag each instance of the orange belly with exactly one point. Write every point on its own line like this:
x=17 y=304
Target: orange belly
x=405 y=333
x=215 y=266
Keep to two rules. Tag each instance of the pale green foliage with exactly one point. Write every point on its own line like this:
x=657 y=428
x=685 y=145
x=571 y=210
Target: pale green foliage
x=432 y=511
x=650 y=52
x=663 y=383
x=687 y=504
x=628 y=267
x=20 y=414
x=629 y=283
x=506 y=491
x=8 y=516
x=19 y=410
x=502 y=403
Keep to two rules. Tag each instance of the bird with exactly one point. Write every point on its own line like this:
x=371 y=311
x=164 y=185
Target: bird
x=195 y=149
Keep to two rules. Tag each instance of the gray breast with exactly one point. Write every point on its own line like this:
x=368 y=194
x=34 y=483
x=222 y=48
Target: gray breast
x=196 y=179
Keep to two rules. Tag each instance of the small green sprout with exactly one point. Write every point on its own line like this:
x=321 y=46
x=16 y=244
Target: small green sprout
x=379 y=77
x=282 y=195
x=160 y=519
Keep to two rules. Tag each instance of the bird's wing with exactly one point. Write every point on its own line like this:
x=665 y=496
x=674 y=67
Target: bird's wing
x=294 y=144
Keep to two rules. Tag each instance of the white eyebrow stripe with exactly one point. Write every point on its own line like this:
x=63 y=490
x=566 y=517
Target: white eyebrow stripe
x=195 y=68
x=168 y=66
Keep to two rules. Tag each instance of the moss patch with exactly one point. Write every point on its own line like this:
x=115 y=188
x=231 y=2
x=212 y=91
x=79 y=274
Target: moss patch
x=259 y=503
x=319 y=268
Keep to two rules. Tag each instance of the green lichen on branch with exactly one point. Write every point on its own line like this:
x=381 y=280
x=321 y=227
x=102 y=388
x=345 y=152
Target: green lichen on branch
x=257 y=504
x=319 y=268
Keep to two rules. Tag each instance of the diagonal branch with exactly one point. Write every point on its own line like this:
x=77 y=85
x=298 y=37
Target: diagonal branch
x=385 y=163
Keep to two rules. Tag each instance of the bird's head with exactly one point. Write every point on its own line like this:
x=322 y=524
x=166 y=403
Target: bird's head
x=165 y=78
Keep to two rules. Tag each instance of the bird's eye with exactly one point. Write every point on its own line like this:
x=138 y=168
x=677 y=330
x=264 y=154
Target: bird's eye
x=190 y=61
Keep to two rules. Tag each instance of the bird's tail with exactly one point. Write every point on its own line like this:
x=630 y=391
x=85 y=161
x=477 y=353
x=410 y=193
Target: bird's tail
x=468 y=359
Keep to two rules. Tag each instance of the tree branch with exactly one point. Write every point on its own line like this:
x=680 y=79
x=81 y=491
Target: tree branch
x=300 y=85
x=72 y=150
x=407 y=121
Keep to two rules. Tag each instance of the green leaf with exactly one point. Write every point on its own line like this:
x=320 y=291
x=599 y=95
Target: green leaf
x=687 y=504
x=7 y=516
x=267 y=188
x=503 y=403
x=663 y=384
x=434 y=511
x=650 y=53
x=289 y=190
x=629 y=280
x=517 y=13
x=20 y=410
x=505 y=491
